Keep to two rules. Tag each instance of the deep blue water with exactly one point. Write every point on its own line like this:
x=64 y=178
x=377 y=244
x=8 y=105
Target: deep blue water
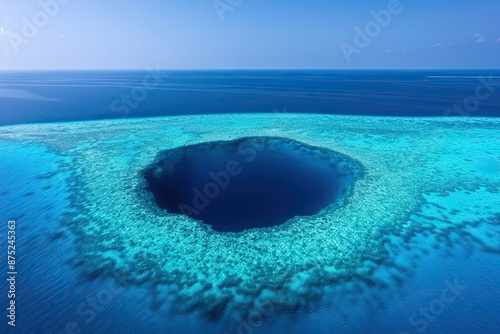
x=70 y=95
x=54 y=297
x=248 y=183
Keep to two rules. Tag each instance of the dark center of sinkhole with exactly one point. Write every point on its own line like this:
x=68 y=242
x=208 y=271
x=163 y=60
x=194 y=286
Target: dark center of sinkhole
x=248 y=183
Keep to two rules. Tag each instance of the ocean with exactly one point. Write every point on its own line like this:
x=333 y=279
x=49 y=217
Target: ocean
x=413 y=247
x=56 y=96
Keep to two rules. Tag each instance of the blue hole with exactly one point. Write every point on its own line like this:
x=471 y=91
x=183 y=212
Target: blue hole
x=248 y=183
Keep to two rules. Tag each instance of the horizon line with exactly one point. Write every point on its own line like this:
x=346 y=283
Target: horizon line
x=255 y=69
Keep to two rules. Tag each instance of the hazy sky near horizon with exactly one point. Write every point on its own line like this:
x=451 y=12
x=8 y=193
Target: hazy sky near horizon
x=249 y=34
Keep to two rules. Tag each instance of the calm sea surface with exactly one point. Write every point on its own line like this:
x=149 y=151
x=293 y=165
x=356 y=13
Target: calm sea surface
x=38 y=96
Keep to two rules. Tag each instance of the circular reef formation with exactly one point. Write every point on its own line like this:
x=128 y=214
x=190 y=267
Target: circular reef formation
x=422 y=184
x=248 y=183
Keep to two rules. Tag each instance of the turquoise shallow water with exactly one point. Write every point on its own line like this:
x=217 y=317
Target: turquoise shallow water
x=430 y=191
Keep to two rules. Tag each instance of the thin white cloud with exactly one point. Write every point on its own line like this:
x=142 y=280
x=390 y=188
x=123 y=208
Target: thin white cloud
x=388 y=51
x=438 y=45
x=480 y=38
x=404 y=50
x=498 y=40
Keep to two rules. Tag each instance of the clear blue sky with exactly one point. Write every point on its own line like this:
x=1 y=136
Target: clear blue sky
x=307 y=34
